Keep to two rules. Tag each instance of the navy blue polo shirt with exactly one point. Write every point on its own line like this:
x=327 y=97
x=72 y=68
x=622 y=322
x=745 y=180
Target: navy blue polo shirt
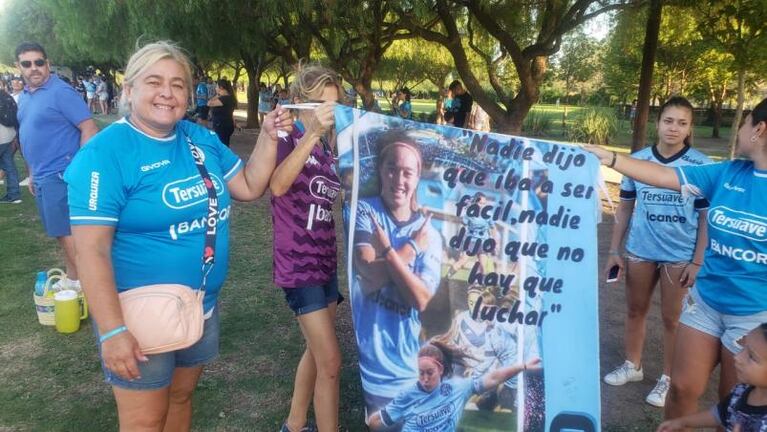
x=48 y=119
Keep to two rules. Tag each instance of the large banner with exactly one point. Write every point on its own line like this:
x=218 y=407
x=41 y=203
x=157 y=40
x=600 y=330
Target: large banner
x=470 y=255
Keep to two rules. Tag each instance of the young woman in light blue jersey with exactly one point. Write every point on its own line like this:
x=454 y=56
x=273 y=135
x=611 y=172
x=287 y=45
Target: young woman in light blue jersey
x=729 y=296
x=478 y=229
x=436 y=401
x=397 y=263
x=138 y=219
x=404 y=108
x=664 y=245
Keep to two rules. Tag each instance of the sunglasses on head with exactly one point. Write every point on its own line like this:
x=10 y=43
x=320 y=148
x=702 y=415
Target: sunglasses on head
x=26 y=64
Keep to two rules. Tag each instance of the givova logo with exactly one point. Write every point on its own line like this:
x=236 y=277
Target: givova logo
x=189 y=191
x=738 y=223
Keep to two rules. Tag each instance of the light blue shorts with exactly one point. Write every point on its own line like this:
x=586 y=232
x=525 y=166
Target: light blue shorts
x=158 y=371
x=727 y=328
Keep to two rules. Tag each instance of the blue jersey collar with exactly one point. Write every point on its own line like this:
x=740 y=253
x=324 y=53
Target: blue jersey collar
x=672 y=158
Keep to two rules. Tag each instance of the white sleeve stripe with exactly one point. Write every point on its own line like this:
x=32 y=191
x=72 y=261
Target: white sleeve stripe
x=101 y=218
x=234 y=168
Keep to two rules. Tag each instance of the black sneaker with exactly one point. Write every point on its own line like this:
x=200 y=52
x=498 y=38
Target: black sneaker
x=8 y=200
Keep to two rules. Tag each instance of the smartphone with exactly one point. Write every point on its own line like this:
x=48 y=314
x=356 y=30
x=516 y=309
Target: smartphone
x=612 y=275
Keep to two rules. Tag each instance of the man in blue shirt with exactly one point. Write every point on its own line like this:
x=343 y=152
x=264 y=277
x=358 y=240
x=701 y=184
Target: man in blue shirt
x=54 y=122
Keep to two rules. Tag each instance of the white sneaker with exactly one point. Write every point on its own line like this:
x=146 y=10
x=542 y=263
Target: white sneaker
x=627 y=372
x=24 y=182
x=657 y=396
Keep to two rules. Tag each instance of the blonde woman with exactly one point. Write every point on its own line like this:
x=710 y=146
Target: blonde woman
x=131 y=192
x=304 y=186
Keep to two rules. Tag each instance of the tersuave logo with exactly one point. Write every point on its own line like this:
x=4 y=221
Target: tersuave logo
x=189 y=191
x=738 y=223
x=323 y=188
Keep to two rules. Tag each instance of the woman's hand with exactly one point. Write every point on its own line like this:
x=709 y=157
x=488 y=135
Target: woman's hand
x=421 y=236
x=277 y=120
x=383 y=241
x=533 y=365
x=605 y=156
x=614 y=260
x=121 y=354
x=689 y=274
x=321 y=119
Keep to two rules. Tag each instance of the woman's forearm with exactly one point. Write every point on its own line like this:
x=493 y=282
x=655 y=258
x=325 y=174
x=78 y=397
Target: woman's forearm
x=496 y=377
x=287 y=171
x=97 y=279
x=258 y=170
x=371 y=269
x=647 y=172
x=701 y=241
x=406 y=280
x=622 y=219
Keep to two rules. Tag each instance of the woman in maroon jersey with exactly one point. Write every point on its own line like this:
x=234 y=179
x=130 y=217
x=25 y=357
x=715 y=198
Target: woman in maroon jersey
x=304 y=186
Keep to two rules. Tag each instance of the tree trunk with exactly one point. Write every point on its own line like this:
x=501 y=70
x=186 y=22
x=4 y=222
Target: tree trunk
x=738 y=111
x=254 y=69
x=645 y=79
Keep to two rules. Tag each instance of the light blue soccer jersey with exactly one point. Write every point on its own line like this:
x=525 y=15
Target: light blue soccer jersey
x=734 y=272
x=664 y=225
x=478 y=227
x=151 y=192
x=387 y=325
x=437 y=411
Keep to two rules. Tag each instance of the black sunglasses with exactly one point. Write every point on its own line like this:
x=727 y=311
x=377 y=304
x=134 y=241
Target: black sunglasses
x=26 y=64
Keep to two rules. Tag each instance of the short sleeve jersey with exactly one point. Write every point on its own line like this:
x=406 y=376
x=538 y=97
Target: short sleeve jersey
x=151 y=192
x=222 y=116
x=49 y=117
x=734 y=272
x=436 y=411
x=407 y=107
x=478 y=227
x=304 y=229
x=735 y=410
x=387 y=326
x=664 y=225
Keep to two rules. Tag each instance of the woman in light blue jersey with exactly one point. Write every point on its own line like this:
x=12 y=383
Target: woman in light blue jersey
x=436 y=401
x=664 y=245
x=397 y=264
x=140 y=211
x=403 y=108
x=729 y=296
x=478 y=229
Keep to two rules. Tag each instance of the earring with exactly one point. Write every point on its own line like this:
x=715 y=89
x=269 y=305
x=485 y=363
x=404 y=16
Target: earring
x=753 y=138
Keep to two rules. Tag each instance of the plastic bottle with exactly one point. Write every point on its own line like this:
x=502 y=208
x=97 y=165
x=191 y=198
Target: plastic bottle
x=40 y=283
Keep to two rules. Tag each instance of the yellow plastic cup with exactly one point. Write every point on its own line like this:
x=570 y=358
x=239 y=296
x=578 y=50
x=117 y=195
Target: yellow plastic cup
x=68 y=311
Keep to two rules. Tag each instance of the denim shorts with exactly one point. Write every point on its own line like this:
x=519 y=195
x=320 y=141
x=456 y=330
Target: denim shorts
x=727 y=328
x=158 y=371
x=673 y=264
x=51 y=199
x=312 y=298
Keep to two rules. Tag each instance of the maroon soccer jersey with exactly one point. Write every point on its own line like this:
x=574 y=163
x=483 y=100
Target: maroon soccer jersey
x=304 y=231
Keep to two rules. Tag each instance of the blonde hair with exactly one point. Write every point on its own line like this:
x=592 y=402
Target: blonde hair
x=144 y=58
x=311 y=77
